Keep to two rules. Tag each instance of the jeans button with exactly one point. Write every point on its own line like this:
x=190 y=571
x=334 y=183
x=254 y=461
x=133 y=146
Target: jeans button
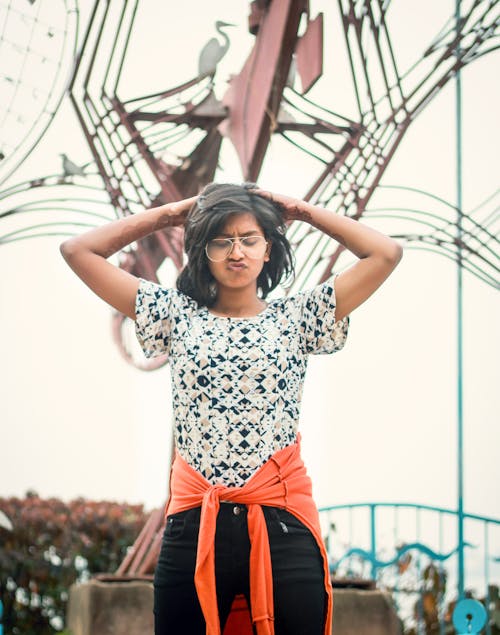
x=236 y=510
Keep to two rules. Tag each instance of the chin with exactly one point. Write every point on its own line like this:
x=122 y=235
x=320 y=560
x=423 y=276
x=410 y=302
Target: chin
x=238 y=282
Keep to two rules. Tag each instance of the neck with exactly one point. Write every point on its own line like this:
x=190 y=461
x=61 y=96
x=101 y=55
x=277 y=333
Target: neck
x=238 y=302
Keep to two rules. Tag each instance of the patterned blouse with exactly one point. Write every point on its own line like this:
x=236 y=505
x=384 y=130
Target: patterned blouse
x=236 y=382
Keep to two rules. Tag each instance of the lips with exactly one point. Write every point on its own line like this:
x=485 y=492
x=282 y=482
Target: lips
x=236 y=266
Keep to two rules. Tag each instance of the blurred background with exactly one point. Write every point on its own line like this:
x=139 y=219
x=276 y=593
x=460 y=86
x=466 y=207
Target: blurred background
x=379 y=420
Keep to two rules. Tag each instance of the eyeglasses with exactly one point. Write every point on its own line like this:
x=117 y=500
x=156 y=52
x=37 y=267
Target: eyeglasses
x=219 y=249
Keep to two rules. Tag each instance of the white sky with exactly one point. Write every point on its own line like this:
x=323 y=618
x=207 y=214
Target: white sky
x=378 y=419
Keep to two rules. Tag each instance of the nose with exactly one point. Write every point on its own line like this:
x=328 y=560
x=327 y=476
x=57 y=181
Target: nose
x=236 y=251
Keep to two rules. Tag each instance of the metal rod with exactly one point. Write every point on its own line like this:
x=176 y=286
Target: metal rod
x=441 y=579
x=450 y=512
x=420 y=582
x=396 y=542
x=487 y=576
x=373 y=542
x=460 y=439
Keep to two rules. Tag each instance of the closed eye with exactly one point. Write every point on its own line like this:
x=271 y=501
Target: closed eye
x=251 y=241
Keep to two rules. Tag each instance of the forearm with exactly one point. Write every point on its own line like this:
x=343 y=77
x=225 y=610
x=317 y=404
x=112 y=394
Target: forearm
x=106 y=240
x=361 y=240
x=87 y=254
x=378 y=254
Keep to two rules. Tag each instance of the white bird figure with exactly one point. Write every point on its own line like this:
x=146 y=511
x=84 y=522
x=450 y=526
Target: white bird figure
x=70 y=168
x=213 y=51
x=5 y=522
x=292 y=73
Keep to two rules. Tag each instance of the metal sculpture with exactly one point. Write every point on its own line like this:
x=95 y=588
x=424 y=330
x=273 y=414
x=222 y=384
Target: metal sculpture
x=384 y=528
x=139 y=144
x=165 y=146
x=213 y=51
x=469 y=616
x=37 y=49
x=402 y=551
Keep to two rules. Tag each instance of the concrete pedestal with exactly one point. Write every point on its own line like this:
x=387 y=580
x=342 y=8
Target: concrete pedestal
x=126 y=608
x=358 y=612
x=111 y=608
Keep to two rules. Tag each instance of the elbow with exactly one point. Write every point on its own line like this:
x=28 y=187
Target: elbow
x=391 y=256
x=64 y=249
x=393 y=253
x=68 y=248
x=397 y=253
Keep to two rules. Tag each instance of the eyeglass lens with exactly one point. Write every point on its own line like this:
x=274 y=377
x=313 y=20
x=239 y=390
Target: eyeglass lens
x=220 y=248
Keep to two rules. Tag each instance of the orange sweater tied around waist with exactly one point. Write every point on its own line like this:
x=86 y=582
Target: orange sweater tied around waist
x=281 y=482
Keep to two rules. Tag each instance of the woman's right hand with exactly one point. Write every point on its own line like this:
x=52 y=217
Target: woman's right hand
x=87 y=253
x=180 y=211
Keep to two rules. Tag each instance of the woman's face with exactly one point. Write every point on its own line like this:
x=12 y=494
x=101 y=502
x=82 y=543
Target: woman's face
x=238 y=270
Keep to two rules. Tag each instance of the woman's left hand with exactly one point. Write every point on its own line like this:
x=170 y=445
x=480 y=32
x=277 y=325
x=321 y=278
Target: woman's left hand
x=292 y=208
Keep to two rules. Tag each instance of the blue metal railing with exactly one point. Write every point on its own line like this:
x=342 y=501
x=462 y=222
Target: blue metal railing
x=399 y=546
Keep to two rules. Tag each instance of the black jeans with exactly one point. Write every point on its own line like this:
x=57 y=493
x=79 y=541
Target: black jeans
x=298 y=583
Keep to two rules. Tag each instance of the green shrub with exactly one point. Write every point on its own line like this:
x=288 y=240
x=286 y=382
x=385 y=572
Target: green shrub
x=52 y=545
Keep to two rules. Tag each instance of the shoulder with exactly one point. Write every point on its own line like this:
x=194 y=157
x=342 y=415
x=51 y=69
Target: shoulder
x=314 y=310
x=157 y=310
x=151 y=294
x=322 y=296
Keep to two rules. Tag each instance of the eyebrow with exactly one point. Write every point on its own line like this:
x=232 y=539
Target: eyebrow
x=253 y=232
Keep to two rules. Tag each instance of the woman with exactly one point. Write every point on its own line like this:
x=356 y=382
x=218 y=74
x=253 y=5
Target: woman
x=240 y=518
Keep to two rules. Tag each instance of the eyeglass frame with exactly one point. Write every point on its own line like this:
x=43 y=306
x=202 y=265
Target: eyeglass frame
x=233 y=241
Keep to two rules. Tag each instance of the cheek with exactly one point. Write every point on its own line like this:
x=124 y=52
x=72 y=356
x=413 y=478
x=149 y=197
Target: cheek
x=260 y=266
x=215 y=268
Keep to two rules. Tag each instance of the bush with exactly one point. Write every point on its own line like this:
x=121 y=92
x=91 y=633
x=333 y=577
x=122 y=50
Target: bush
x=52 y=545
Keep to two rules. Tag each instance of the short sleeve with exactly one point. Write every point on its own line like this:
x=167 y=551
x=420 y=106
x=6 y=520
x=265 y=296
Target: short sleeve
x=321 y=332
x=155 y=310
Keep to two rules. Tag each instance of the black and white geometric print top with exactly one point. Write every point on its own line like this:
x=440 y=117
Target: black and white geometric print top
x=236 y=382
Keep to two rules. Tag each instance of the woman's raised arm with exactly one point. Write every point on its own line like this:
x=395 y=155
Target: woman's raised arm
x=378 y=254
x=87 y=254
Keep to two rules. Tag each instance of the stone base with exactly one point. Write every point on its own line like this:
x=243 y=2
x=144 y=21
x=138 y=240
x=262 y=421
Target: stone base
x=111 y=608
x=358 y=612
x=126 y=608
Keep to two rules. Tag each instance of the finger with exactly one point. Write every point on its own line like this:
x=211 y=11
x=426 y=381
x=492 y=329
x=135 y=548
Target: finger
x=264 y=194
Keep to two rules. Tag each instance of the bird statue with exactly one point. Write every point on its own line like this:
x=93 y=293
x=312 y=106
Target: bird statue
x=5 y=522
x=213 y=51
x=70 y=168
x=292 y=73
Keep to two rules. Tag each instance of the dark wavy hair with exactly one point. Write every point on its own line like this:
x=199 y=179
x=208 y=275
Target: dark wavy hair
x=206 y=220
